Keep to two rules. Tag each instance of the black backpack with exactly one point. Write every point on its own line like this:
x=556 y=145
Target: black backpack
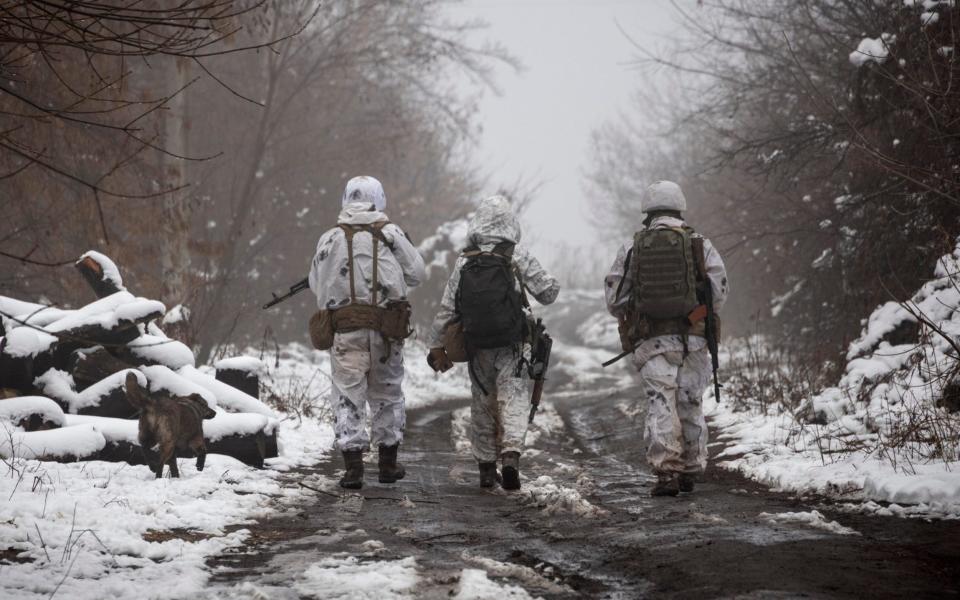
x=489 y=301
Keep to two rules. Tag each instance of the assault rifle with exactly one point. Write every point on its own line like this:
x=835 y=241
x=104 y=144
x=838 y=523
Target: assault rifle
x=542 y=347
x=713 y=344
x=710 y=319
x=294 y=290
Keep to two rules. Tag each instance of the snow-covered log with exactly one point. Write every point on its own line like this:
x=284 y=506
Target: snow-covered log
x=101 y=273
x=106 y=398
x=241 y=372
x=164 y=380
x=150 y=349
x=69 y=444
x=32 y=413
x=227 y=396
x=93 y=366
x=246 y=437
x=30 y=350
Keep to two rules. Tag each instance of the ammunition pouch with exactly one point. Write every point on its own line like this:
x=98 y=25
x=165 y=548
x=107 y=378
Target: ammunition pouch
x=395 y=320
x=392 y=321
x=322 y=330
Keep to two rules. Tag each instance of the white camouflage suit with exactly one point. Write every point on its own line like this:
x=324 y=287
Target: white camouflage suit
x=499 y=416
x=675 y=429
x=366 y=369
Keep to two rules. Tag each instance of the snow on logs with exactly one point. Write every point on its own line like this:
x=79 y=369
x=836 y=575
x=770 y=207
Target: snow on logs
x=78 y=360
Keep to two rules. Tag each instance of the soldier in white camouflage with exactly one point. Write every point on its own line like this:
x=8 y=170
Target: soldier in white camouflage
x=367 y=368
x=500 y=380
x=670 y=353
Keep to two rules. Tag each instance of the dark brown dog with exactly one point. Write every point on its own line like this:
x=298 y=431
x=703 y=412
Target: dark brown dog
x=173 y=423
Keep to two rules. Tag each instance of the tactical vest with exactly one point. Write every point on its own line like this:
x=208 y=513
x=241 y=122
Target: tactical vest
x=393 y=321
x=666 y=266
x=490 y=299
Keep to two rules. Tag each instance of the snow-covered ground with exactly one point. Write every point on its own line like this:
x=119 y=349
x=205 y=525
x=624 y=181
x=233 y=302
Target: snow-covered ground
x=98 y=529
x=882 y=438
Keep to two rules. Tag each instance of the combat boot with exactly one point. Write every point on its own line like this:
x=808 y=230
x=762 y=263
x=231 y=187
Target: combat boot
x=488 y=474
x=667 y=485
x=353 y=463
x=390 y=470
x=511 y=470
x=687 y=482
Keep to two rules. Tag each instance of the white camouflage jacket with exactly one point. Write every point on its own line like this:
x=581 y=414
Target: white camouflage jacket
x=400 y=267
x=493 y=223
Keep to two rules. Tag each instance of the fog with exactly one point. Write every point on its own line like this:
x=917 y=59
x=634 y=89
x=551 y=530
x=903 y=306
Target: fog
x=576 y=74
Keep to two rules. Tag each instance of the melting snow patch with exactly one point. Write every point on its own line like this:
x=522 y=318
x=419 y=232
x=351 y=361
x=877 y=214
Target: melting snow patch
x=475 y=585
x=814 y=519
x=524 y=575
x=552 y=498
x=349 y=578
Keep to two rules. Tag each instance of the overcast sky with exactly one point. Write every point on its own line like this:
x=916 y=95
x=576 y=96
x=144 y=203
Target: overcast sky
x=575 y=77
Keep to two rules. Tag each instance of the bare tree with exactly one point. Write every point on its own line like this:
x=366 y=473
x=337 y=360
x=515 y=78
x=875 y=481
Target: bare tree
x=827 y=162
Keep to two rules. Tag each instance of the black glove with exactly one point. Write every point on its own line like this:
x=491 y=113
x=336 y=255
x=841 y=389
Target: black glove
x=439 y=361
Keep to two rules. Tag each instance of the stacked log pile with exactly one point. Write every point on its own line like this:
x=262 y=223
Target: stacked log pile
x=62 y=373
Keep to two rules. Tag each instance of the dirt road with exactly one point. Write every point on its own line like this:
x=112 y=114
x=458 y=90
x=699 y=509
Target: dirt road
x=584 y=525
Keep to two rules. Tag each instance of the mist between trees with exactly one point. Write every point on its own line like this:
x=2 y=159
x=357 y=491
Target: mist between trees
x=204 y=144
x=817 y=141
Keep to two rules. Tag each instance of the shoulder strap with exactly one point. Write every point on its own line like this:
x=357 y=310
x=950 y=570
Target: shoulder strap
x=699 y=257
x=348 y=233
x=523 y=288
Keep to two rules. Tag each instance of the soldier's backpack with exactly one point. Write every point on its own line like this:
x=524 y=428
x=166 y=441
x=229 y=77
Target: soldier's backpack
x=489 y=301
x=664 y=265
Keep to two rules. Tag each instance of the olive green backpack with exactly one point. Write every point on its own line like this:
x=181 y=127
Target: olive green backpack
x=664 y=267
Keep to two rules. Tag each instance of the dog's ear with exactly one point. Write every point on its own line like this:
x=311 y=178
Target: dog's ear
x=135 y=394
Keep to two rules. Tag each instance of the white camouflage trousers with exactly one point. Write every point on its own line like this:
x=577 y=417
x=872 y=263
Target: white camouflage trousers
x=367 y=371
x=675 y=430
x=499 y=416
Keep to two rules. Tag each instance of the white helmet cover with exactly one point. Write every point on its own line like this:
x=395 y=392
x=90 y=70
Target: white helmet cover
x=664 y=195
x=367 y=190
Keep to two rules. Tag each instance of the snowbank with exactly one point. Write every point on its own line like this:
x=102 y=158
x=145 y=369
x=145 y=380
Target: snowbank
x=881 y=434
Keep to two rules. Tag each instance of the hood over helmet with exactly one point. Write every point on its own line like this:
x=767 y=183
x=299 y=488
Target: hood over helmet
x=365 y=190
x=664 y=195
x=494 y=222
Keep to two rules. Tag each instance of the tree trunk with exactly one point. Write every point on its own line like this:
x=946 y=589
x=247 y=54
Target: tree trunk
x=175 y=223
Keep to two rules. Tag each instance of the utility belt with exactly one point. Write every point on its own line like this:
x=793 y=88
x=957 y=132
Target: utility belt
x=634 y=329
x=392 y=321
